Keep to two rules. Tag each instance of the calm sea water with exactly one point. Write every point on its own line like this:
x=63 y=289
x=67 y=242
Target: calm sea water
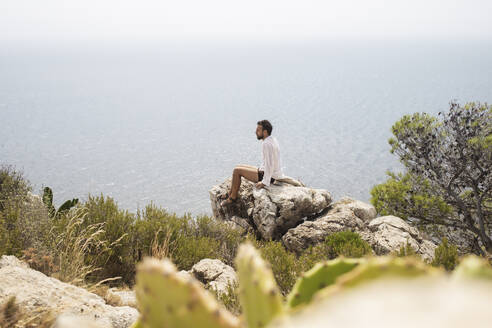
x=165 y=122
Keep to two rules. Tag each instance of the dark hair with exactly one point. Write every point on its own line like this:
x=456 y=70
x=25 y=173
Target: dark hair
x=266 y=126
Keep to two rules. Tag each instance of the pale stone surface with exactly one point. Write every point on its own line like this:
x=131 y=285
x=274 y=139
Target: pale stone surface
x=273 y=210
x=215 y=273
x=389 y=233
x=124 y=297
x=362 y=210
x=312 y=232
x=34 y=290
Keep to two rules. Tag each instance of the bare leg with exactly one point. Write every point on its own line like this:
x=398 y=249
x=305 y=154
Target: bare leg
x=247 y=172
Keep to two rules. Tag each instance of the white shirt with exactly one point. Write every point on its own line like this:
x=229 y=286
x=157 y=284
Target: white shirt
x=271 y=160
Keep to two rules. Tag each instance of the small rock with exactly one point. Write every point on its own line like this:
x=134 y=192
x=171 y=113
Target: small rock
x=215 y=273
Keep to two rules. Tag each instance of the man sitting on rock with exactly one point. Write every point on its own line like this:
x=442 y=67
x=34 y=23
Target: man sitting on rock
x=266 y=173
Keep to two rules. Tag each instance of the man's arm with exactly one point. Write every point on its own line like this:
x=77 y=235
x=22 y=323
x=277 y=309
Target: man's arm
x=268 y=161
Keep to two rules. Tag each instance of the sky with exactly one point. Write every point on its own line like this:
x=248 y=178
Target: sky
x=63 y=20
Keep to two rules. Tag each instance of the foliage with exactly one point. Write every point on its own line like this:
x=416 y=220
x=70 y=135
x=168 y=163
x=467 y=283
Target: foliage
x=406 y=250
x=187 y=239
x=343 y=243
x=167 y=297
x=446 y=255
x=9 y=313
x=117 y=228
x=448 y=179
x=48 y=201
x=284 y=264
x=230 y=299
x=79 y=247
x=24 y=222
x=39 y=260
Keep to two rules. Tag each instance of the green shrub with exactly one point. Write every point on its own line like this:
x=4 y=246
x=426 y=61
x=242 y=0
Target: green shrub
x=24 y=221
x=229 y=238
x=406 y=250
x=346 y=243
x=446 y=255
x=230 y=299
x=118 y=229
x=284 y=264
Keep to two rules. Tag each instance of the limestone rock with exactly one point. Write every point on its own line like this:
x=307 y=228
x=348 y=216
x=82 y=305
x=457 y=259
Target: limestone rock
x=118 y=297
x=364 y=211
x=215 y=273
x=34 y=290
x=389 y=233
x=312 y=232
x=273 y=210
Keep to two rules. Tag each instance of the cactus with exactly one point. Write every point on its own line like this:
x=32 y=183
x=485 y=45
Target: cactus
x=167 y=299
x=320 y=276
x=258 y=291
x=378 y=267
x=473 y=267
x=48 y=202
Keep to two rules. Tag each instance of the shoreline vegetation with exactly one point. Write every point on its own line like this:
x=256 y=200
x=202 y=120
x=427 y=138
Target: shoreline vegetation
x=96 y=245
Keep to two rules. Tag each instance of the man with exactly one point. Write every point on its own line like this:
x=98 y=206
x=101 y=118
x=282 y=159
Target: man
x=266 y=173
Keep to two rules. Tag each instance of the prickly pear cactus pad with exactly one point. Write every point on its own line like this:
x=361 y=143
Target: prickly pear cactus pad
x=323 y=274
x=379 y=267
x=473 y=267
x=423 y=302
x=166 y=299
x=258 y=291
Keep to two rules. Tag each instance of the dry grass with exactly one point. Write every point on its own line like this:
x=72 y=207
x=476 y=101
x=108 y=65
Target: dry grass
x=78 y=247
x=12 y=316
x=161 y=250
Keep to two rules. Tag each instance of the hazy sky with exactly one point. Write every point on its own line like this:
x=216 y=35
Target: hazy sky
x=251 y=19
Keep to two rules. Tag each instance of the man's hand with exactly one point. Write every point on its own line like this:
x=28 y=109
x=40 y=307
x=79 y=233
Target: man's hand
x=260 y=185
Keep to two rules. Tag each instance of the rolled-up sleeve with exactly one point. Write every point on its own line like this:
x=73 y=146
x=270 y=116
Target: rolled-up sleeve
x=268 y=163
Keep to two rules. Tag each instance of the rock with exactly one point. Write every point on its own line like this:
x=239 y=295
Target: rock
x=117 y=297
x=74 y=321
x=364 y=211
x=34 y=290
x=10 y=260
x=185 y=274
x=273 y=211
x=241 y=224
x=312 y=232
x=390 y=233
x=215 y=273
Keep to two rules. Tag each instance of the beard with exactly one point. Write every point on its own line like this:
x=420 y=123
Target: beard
x=259 y=137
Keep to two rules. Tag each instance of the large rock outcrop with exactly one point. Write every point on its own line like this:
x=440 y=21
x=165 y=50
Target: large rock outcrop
x=273 y=211
x=302 y=217
x=34 y=290
x=384 y=234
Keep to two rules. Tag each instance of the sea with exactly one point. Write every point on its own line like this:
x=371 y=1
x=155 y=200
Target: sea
x=162 y=122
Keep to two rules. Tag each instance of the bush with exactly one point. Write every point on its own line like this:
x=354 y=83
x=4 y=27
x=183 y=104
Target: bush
x=230 y=299
x=40 y=261
x=117 y=226
x=283 y=263
x=446 y=181
x=24 y=221
x=446 y=255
